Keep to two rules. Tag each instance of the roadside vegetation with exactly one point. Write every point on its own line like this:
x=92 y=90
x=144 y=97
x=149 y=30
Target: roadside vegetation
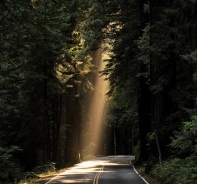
x=39 y=175
x=182 y=166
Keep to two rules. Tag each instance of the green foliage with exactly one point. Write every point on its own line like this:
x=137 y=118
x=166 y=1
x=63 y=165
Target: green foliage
x=44 y=168
x=185 y=142
x=92 y=27
x=38 y=47
x=182 y=168
x=120 y=111
x=177 y=171
x=10 y=167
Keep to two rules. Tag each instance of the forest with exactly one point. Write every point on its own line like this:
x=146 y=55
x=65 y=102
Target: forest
x=48 y=76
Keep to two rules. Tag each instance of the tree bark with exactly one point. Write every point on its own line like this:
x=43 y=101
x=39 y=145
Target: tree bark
x=144 y=98
x=72 y=155
x=155 y=71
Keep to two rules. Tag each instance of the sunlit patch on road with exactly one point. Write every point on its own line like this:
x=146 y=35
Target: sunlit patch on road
x=111 y=169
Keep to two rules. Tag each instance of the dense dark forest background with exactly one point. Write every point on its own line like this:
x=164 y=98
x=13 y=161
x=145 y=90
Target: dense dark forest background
x=47 y=81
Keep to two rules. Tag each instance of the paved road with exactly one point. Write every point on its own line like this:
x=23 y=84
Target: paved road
x=104 y=170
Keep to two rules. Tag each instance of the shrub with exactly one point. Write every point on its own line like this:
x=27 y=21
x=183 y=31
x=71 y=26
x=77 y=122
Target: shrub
x=182 y=168
x=10 y=169
x=44 y=168
x=177 y=171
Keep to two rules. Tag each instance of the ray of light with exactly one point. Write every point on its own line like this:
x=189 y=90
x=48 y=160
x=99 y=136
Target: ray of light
x=97 y=106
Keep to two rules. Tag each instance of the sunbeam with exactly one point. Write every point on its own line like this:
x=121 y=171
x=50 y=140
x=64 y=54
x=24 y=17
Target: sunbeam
x=97 y=107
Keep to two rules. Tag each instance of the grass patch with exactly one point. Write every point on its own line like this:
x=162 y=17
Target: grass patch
x=41 y=178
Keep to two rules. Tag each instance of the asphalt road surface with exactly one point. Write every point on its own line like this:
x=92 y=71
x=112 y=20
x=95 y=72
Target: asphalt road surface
x=104 y=170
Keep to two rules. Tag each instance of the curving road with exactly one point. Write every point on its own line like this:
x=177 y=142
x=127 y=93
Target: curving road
x=104 y=170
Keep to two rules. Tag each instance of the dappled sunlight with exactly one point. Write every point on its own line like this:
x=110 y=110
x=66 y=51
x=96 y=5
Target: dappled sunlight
x=64 y=179
x=89 y=166
x=94 y=165
x=85 y=172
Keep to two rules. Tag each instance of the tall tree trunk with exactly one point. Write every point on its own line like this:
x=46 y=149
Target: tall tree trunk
x=144 y=104
x=57 y=111
x=144 y=99
x=162 y=72
x=46 y=123
x=155 y=72
x=72 y=155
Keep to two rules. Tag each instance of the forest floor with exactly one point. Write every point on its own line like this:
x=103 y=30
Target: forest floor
x=148 y=178
x=141 y=170
x=41 y=178
x=47 y=177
